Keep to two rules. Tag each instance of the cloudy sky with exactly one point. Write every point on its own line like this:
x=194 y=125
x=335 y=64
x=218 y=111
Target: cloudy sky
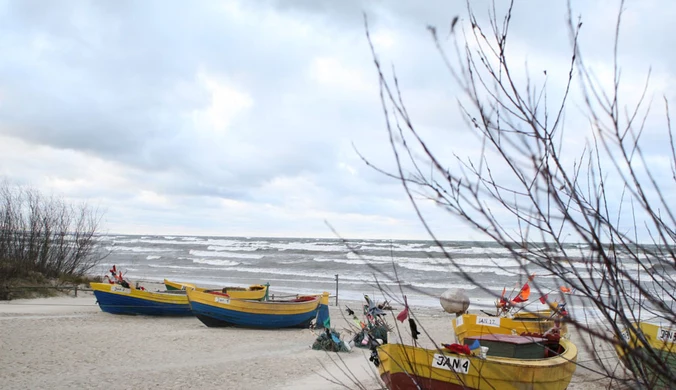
x=242 y=117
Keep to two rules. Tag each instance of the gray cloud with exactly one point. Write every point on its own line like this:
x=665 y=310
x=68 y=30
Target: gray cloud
x=179 y=117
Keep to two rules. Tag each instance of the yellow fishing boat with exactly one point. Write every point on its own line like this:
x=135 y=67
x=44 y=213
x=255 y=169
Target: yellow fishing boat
x=216 y=309
x=255 y=292
x=171 y=285
x=648 y=345
x=469 y=325
x=405 y=367
x=126 y=299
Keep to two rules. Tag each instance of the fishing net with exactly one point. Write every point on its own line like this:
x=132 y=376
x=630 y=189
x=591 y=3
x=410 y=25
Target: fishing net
x=329 y=340
x=367 y=337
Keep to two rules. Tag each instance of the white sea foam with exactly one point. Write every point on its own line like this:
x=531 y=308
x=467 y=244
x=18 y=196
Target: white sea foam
x=453 y=269
x=153 y=241
x=443 y=285
x=153 y=257
x=118 y=265
x=364 y=277
x=292 y=261
x=189 y=238
x=224 y=254
x=394 y=247
x=233 y=244
x=232 y=247
x=349 y=261
x=136 y=249
x=223 y=263
x=226 y=243
x=500 y=262
x=323 y=259
x=308 y=246
x=173 y=266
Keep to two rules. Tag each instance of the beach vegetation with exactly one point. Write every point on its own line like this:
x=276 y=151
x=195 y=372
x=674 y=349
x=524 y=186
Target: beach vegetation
x=44 y=240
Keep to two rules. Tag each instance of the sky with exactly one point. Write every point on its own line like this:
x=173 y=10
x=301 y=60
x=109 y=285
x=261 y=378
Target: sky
x=248 y=118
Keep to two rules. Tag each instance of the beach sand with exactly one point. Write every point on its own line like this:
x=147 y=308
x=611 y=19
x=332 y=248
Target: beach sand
x=67 y=342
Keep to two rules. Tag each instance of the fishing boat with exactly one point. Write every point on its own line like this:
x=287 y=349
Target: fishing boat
x=469 y=325
x=648 y=345
x=217 y=309
x=511 y=362
x=256 y=292
x=119 y=296
x=126 y=299
x=511 y=315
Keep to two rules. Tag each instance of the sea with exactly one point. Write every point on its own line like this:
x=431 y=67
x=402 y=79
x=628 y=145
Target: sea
x=381 y=269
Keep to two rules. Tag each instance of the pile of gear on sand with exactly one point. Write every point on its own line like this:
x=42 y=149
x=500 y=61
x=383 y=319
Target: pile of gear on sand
x=368 y=333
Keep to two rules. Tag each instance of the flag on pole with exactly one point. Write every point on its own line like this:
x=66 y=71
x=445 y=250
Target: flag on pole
x=523 y=294
x=543 y=299
x=404 y=313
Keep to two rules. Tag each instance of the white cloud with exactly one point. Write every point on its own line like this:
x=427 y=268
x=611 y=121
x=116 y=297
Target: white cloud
x=236 y=118
x=226 y=104
x=331 y=73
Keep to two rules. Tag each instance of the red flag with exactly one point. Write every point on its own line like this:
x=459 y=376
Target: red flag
x=404 y=313
x=565 y=289
x=543 y=298
x=523 y=294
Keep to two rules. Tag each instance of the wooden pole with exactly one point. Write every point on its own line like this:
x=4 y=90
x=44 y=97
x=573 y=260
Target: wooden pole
x=336 y=289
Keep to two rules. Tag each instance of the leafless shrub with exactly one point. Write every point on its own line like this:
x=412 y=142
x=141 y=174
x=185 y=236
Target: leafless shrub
x=596 y=218
x=45 y=235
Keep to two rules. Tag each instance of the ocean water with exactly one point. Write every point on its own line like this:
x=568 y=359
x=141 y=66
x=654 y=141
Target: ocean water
x=417 y=269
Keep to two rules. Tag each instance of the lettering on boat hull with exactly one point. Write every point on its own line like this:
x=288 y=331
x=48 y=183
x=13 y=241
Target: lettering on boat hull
x=120 y=289
x=667 y=335
x=488 y=321
x=455 y=364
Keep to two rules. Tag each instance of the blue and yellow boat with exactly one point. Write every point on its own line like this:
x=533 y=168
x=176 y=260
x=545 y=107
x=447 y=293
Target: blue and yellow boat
x=216 y=309
x=120 y=299
x=256 y=291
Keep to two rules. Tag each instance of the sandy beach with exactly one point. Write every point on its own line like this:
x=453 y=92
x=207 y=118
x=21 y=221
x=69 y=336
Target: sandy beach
x=67 y=342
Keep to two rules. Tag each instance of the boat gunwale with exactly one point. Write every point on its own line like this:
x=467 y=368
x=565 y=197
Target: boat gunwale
x=251 y=304
x=569 y=349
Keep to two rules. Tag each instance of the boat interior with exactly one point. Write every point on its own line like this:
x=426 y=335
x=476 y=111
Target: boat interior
x=527 y=346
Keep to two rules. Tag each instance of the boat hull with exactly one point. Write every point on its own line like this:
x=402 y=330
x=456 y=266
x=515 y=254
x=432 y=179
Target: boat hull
x=218 y=311
x=404 y=367
x=115 y=299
